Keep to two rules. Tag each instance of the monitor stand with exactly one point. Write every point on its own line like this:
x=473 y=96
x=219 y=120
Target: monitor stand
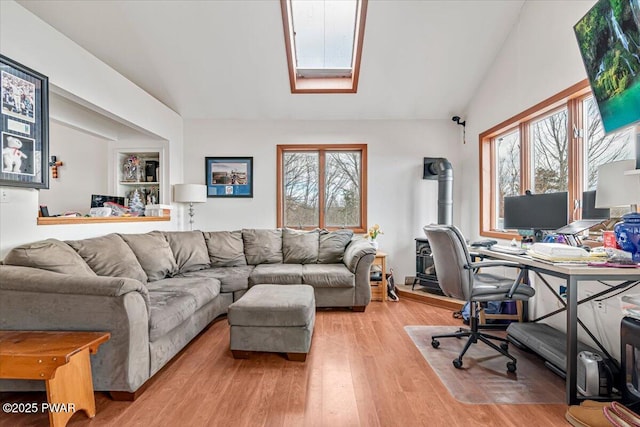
x=572 y=239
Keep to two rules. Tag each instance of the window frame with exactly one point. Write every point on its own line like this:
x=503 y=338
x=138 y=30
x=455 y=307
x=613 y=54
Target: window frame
x=322 y=149
x=315 y=82
x=571 y=98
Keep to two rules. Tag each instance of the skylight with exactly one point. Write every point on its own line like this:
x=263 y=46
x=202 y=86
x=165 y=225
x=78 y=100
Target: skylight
x=324 y=41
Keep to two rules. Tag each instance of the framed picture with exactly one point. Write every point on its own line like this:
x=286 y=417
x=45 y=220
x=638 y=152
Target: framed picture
x=24 y=130
x=229 y=176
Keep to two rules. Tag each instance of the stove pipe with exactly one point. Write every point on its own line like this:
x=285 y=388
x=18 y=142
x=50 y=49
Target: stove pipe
x=439 y=168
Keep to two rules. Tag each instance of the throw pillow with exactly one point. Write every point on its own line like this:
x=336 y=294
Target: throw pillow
x=225 y=248
x=332 y=245
x=153 y=253
x=262 y=246
x=189 y=250
x=50 y=254
x=109 y=256
x=300 y=247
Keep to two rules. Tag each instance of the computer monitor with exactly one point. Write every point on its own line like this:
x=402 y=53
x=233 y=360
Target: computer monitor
x=548 y=211
x=589 y=210
x=98 y=200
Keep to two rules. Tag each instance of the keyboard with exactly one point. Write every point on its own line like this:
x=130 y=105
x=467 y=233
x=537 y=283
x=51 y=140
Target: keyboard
x=512 y=250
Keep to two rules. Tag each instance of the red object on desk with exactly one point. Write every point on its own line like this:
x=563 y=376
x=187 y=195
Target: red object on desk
x=609 y=240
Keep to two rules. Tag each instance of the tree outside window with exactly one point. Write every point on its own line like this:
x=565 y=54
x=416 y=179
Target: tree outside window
x=554 y=146
x=322 y=186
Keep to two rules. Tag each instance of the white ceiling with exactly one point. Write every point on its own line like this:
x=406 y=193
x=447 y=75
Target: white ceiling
x=421 y=59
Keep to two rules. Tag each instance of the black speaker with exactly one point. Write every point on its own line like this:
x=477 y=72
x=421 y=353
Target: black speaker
x=151 y=170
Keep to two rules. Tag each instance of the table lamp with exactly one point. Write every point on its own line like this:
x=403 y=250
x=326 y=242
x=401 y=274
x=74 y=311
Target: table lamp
x=618 y=187
x=190 y=193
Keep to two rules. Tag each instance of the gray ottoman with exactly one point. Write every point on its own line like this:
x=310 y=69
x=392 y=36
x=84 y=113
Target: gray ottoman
x=274 y=318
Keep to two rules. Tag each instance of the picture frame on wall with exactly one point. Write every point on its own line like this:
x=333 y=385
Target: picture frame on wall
x=229 y=176
x=24 y=126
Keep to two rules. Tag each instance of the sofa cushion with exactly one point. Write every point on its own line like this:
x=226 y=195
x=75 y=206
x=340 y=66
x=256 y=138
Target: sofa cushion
x=50 y=254
x=202 y=289
x=262 y=246
x=277 y=274
x=231 y=278
x=273 y=305
x=300 y=247
x=174 y=300
x=189 y=250
x=332 y=245
x=225 y=248
x=109 y=256
x=153 y=253
x=328 y=276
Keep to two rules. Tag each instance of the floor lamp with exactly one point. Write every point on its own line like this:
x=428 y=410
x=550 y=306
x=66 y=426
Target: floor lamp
x=190 y=193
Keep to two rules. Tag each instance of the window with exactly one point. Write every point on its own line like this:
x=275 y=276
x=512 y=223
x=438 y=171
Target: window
x=554 y=146
x=508 y=171
x=322 y=186
x=600 y=149
x=323 y=41
x=550 y=152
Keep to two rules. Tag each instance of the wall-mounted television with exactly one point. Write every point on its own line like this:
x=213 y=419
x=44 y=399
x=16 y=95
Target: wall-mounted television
x=609 y=41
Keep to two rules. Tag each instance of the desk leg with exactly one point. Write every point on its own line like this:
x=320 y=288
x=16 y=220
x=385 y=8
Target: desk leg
x=572 y=340
x=72 y=389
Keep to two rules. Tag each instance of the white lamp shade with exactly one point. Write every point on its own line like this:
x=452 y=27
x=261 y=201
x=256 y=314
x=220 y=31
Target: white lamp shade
x=190 y=193
x=615 y=188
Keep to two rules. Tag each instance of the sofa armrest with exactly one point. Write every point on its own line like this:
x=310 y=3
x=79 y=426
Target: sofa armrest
x=28 y=279
x=33 y=299
x=358 y=257
x=356 y=249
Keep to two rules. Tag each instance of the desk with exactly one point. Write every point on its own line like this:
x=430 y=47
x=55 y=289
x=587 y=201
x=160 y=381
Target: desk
x=61 y=359
x=572 y=274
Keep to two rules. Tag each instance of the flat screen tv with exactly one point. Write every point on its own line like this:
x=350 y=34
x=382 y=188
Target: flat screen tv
x=547 y=211
x=609 y=41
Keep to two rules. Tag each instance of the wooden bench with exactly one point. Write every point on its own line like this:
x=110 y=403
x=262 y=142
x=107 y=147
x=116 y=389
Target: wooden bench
x=61 y=359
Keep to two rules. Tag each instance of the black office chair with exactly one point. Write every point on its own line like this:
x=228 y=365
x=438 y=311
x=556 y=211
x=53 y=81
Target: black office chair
x=461 y=278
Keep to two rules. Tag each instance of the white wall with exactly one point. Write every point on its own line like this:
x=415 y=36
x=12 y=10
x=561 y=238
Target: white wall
x=539 y=59
x=83 y=173
x=75 y=72
x=399 y=199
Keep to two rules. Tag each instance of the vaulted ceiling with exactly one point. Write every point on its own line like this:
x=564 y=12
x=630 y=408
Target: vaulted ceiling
x=421 y=59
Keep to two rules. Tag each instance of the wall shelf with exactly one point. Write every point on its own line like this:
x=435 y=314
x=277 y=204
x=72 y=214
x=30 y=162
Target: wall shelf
x=133 y=168
x=65 y=220
x=140 y=183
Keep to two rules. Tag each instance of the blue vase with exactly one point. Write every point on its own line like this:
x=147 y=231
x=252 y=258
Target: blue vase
x=628 y=234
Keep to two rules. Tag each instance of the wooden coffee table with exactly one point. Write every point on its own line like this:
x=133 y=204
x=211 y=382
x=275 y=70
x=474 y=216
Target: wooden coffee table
x=61 y=359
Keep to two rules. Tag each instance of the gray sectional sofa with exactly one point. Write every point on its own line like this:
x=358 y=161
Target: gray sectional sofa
x=156 y=291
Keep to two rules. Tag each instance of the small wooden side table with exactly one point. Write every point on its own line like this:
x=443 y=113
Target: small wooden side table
x=379 y=288
x=61 y=359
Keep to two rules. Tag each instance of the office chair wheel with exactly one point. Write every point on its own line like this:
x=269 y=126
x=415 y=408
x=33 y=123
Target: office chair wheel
x=457 y=363
x=511 y=366
x=435 y=343
x=504 y=346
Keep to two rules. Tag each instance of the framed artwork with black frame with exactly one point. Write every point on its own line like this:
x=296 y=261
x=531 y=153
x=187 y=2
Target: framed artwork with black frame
x=229 y=176
x=24 y=130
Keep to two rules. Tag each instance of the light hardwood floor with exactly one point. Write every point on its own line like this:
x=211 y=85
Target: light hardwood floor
x=363 y=370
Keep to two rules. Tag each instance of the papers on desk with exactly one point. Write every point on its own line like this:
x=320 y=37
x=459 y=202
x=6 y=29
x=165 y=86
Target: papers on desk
x=564 y=254
x=512 y=250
